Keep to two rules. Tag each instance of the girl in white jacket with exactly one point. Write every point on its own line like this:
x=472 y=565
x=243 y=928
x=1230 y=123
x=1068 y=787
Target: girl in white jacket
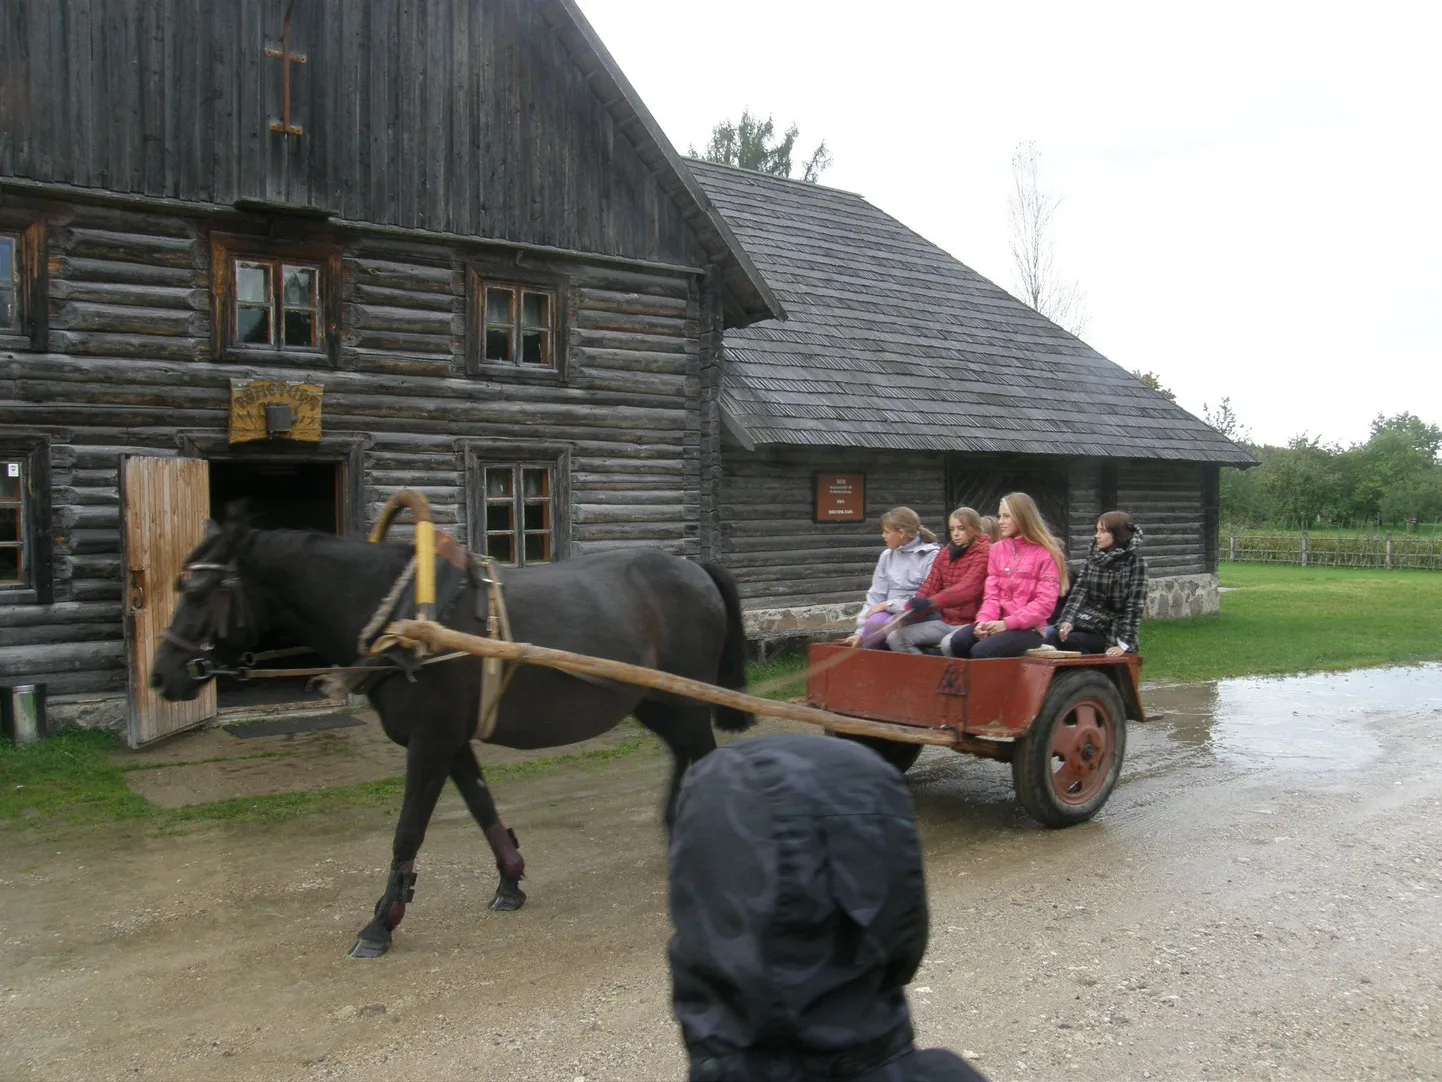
x=910 y=549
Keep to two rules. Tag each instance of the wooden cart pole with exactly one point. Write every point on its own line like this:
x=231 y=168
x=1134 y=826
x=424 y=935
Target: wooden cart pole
x=443 y=638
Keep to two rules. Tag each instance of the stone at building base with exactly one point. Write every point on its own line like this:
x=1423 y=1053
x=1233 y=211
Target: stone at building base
x=771 y=632
x=1180 y=597
x=110 y=713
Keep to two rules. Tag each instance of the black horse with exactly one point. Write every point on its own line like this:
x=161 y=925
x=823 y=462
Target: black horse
x=641 y=606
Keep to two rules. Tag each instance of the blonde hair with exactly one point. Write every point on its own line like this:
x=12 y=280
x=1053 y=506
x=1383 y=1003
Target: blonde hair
x=991 y=527
x=908 y=522
x=1032 y=526
x=969 y=519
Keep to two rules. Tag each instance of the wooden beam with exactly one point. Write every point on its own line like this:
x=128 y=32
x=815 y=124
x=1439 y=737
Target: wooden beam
x=442 y=638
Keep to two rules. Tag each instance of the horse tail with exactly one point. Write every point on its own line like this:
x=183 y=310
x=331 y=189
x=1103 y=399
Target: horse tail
x=732 y=672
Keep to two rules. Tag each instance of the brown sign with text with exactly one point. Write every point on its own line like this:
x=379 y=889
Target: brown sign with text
x=840 y=497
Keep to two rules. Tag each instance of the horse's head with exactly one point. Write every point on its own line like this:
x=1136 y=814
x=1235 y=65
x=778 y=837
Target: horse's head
x=217 y=619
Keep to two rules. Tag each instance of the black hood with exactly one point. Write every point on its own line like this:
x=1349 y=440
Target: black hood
x=799 y=903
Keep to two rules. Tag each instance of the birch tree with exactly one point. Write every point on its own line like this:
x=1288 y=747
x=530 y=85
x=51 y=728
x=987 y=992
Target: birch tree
x=1032 y=210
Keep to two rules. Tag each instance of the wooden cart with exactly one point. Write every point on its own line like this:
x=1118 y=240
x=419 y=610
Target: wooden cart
x=1060 y=721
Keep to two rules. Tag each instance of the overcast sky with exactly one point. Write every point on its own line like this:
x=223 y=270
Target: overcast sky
x=1253 y=203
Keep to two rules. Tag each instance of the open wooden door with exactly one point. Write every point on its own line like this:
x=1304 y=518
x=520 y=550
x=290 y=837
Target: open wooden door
x=164 y=506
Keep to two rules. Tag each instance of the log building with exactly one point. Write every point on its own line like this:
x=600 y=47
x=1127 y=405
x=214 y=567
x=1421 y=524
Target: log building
x=905 y=377
x=307 y=253
x=333 y=251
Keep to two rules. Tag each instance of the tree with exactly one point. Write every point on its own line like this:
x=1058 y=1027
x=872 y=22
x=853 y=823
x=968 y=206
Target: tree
x=1152 y=380
x=751 y=143
x=1397 y=475
x=1032 y=209
x=1225 y=421
x=1302 y=482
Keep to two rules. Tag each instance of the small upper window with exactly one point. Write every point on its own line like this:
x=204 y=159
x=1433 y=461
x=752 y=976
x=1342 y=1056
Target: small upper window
x=12 y=522
x=519 y=325
x=9 y=291
x=277 y=304
x=519 y=510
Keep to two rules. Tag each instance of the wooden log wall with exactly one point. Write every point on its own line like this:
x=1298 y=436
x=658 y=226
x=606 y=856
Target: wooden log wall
x=781 y=557
x=129 y=366
x=1166 y=500
x=453 y=116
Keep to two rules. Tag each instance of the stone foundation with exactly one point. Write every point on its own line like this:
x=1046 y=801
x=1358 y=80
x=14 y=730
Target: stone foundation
x=1177 y=597
x=108 y=712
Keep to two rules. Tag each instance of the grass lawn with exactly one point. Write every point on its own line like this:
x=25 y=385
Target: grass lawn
x=1283 y=619
x=1277 y=619
x=72 y=779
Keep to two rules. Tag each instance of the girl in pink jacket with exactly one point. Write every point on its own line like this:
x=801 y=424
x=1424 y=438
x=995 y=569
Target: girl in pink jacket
x=1025 y=575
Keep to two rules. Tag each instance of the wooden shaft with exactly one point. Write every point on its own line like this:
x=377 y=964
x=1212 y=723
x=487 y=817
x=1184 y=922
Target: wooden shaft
x=437 y=637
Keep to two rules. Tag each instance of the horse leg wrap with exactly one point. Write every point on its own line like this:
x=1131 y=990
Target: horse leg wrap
x=399 y=890
x=504 y=845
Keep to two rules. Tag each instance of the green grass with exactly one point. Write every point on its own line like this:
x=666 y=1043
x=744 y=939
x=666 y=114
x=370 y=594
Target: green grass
x=1284 y=619
x=72 y=779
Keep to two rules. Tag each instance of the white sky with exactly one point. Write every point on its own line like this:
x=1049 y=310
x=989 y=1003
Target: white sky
x=1252 y=195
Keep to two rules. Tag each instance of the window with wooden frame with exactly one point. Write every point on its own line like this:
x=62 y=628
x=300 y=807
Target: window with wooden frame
x=9 y=283
x=13 y=564
x=25 y=556
x=274 y=299
x=517 y=325
x=520 y=513
x=23 y=285
x=276 y=304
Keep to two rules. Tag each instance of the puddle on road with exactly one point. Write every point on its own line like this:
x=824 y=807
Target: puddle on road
x=1310 y=723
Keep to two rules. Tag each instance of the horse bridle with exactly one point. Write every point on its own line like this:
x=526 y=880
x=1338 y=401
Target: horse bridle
x=226 y=598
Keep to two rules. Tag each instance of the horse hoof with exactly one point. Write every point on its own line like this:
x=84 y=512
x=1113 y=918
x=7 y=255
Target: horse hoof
x=508 y=899
x=369 y=948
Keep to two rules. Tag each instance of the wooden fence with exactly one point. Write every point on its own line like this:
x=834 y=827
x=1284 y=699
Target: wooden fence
x=1333 y=550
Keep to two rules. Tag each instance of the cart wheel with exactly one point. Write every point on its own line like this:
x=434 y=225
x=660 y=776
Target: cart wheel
x=1068 y=763
x=901 y=756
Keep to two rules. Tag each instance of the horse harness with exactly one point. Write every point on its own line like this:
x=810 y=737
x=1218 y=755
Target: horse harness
x=383 y=655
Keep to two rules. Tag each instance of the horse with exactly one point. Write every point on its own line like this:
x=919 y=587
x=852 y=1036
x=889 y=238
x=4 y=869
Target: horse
x=642 y=606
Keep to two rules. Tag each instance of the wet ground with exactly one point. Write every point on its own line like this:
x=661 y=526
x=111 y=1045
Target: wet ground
x=1262 y=898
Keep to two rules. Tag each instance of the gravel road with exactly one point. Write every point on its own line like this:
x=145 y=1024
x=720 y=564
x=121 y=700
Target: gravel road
x=1262 y=898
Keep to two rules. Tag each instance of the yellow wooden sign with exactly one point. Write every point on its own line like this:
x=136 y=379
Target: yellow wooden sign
x=271 y=409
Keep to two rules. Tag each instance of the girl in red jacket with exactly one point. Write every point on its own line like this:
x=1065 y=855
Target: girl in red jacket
x=952 y=592
x=1026 y=572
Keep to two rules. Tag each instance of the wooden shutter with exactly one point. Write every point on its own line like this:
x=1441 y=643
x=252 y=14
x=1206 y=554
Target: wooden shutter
x=165 y=504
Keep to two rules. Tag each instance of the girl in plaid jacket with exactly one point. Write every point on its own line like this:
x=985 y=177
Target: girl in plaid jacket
x=1106 y=605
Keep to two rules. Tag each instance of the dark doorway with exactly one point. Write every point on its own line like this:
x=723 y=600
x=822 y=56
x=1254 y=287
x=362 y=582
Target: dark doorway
x=979 y=482
x=279 y=494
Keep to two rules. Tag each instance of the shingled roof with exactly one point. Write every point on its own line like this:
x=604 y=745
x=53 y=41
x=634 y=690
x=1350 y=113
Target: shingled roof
x=889 y=342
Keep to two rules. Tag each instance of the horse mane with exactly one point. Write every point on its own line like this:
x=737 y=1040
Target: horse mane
x=359 y=555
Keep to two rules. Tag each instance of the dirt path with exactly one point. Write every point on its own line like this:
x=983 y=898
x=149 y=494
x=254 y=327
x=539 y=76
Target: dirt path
x=1261 y=899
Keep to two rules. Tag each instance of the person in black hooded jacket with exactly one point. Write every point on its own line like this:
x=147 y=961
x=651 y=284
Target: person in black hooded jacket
x=799 y=903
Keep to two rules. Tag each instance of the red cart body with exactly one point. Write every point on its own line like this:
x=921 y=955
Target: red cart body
x=1064 y=768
